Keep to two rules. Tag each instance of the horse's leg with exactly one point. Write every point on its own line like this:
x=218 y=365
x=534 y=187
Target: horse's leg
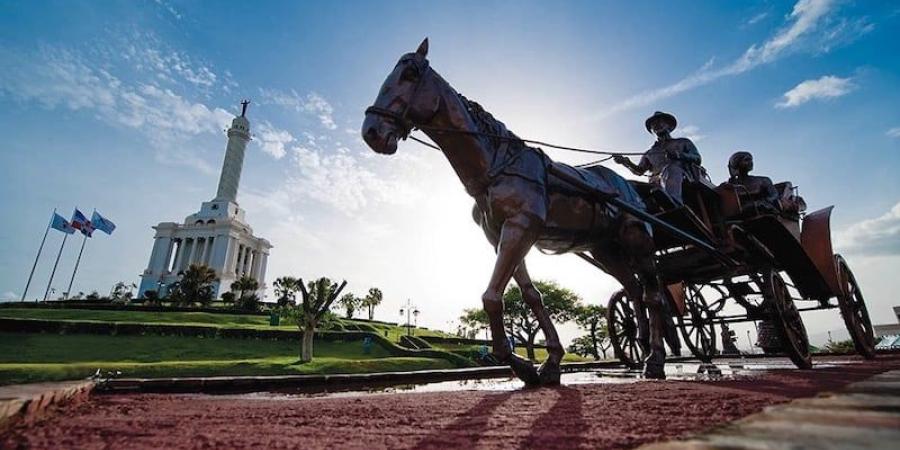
x=617 y=266
x=516 y=238
x=638 y=242
x=549 y=371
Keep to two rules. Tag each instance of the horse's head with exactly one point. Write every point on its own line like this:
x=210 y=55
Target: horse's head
x=408 y=97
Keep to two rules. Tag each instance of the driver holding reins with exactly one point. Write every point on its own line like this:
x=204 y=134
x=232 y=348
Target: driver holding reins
x=670 y=161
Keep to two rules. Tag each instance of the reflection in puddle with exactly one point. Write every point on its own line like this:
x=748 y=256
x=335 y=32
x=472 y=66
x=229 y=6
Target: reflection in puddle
x=691 y=371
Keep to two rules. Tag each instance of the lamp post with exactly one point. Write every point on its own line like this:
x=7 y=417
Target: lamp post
x=409 y=309
x=750 y=342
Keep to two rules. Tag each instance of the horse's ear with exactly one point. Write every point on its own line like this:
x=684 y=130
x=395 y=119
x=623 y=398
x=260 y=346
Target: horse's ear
x=423 y=48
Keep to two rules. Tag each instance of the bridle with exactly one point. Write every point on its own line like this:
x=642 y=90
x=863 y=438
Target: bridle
x=401 y=119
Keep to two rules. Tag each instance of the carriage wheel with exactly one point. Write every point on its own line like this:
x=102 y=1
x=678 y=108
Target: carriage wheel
x=621 y=322
x=854 y=312
x=699 y=333
x=787 y=320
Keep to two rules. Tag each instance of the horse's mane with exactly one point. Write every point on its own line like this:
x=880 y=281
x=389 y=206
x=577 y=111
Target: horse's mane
x=487 y=124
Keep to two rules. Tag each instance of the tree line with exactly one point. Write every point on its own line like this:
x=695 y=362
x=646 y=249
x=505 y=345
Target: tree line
x=196 y=287
x=562 y=304
x=310 y=311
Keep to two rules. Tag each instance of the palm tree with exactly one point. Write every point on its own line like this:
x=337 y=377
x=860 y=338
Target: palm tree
x=286 y=289
x=195 y=286
x=371 y=300
x=246 y=288
x=349 y=302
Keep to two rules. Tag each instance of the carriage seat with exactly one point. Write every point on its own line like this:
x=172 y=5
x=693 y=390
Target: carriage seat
x=737 y=204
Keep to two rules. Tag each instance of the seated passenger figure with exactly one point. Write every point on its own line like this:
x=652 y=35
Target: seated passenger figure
x=670 y=161
x=758 y=194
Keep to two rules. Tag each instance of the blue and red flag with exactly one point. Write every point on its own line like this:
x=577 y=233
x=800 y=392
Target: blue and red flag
x=81 y=223
x=102 y=223
x=60 y=223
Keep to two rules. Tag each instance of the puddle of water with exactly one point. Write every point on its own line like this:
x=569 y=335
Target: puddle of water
x=721 y=370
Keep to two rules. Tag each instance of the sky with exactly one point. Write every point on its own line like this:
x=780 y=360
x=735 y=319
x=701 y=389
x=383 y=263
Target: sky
x=120 y=106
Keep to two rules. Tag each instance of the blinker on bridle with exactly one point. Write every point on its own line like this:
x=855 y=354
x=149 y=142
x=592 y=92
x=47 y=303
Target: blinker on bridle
x=401 y=119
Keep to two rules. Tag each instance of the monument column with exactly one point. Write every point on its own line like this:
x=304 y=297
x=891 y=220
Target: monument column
x=254 y=266
x=248 y=254
x=208 y=252
x=190 y=258
x=234 y=255
x=238 y=136
x=261 y=277
x=179 y=255
x=168 y=261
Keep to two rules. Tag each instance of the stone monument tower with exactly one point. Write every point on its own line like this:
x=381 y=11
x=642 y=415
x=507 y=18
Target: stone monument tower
x=217 y=236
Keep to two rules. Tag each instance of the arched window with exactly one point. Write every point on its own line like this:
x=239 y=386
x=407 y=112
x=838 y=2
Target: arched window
x=210 y=222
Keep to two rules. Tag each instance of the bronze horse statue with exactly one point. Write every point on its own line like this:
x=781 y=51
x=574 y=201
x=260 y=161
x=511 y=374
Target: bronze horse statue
x=519 y=204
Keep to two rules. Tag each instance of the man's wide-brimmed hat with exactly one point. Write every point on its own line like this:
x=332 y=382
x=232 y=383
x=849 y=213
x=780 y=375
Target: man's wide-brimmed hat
x=659 y=115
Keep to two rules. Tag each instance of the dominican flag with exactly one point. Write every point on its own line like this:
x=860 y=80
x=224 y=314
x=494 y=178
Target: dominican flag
x=102 y=223
x=81 y=223
x=60 y=223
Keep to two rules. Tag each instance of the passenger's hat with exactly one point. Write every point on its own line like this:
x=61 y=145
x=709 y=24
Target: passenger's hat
x=659 y=115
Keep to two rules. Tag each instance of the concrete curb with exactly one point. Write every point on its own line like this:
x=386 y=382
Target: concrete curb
x=864 y=415
x=27 y=402
x=317 y=383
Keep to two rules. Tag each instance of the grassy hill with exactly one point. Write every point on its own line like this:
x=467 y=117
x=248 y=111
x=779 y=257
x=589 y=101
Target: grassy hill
x=33 y=357
x=392 y=332
x=29 y=357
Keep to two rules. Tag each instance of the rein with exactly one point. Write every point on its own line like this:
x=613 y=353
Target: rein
x=516 y=139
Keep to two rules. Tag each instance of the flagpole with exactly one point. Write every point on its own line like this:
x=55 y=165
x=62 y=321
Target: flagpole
x=47 y=292
x=40 y=249
x=77 y=262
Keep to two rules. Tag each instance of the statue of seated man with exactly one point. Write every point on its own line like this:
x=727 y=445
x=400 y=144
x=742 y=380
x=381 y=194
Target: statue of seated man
x=670 y=161
x=758 y=194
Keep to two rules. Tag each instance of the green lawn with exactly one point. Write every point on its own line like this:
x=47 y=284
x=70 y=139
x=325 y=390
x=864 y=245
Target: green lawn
x=27 y=358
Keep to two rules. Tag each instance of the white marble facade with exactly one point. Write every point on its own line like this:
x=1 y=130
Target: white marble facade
x=216 y=236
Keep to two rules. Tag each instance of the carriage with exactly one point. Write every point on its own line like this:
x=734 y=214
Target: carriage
x=709 y=252
x=712 y=254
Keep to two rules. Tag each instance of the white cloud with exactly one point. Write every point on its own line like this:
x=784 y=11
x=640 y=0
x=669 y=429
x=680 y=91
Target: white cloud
x=753 y=20
x=692 y=132
x=893 y=132
x=273 y=140
x=9 y=296
x=169 y=8
x=809 y=27
x=311 y=103
x=146 y=53
x=828 y=86
x=55 y=77
x=339 y=179
x=873 y=237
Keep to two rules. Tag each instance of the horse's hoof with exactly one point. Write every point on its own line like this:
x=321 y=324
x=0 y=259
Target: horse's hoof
x=524 y=370
x=549 y=374
x=654 y=371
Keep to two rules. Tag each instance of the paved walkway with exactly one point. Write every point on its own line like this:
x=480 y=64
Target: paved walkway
x=27 y=401
x=865 y=415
